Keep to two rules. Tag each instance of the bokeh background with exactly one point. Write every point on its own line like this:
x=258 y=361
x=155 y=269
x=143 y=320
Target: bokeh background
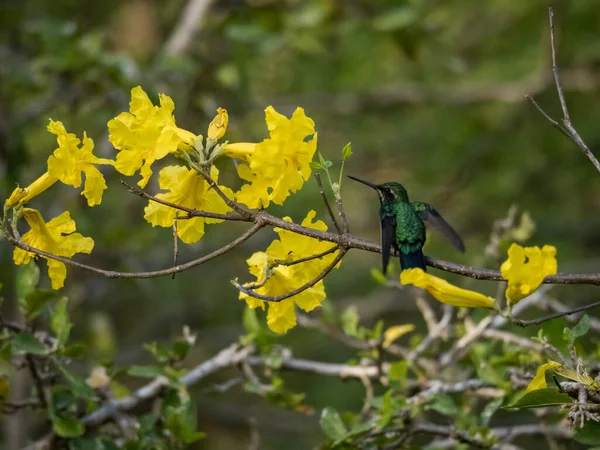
x=430 y=93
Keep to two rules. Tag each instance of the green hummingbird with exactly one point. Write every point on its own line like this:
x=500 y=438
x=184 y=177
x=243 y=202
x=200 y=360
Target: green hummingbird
x=403 y=225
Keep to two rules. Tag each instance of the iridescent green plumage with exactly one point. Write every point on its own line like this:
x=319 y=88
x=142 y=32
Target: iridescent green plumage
x=403 y=225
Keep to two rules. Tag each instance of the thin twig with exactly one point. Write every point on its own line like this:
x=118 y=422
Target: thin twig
x=175 y=246
x=527 y=323
x=302 y=288
x=307 y=258
x=566 y=127
x=37 y=379
x=326 y=201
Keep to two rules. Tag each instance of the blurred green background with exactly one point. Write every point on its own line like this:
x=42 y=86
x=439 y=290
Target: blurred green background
x=430 y=93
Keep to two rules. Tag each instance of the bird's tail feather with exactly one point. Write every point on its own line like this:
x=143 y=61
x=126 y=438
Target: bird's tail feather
x=412 y=260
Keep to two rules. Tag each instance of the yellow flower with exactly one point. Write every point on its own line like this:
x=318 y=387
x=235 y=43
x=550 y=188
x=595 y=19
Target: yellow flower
x=69 y=160
x=23 y=195
x=539 y=381
x=396 y=332
x=526 y=268
x=66 y=164
x=280 y=164
x=445 y=292
x=218 y=126
x=580 y=376
x=145 y=134
x=283 y=279
x=57 y=237
x=187 y=188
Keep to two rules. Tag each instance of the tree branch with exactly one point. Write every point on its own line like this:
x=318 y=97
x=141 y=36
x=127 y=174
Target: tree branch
x=566 y=127
x=153 y=274
x=229 y=356
x=527 y=323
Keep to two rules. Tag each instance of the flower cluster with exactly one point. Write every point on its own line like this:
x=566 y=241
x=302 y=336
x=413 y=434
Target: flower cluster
x=271 y=170
x=277 y=279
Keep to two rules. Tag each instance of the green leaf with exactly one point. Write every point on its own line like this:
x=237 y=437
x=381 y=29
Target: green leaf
x=397 y=371
x=59 y=322
x=386 y=411
x=28 y=276
x=79 y=387
x=347 y=151
x=75 y=351
x=146 y=371
x=349 y=319
x=395 y=19
x=327 y=164
x=589 y=434
x=332 y=424
x=250 y=320
x=85 y=444
x=35 y=301
x=579 y=330
x=159 y=351
x=25 y=342
x=316 y=165
x=67 y=426
x=489 y=410
x=181 y=348
x=444 y=404
x=541 y=398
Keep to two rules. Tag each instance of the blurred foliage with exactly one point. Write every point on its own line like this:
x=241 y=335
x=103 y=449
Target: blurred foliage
x=430 y=93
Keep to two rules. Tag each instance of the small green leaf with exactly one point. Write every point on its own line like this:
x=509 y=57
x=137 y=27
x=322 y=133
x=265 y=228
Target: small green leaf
x=589 y=434
x=349 y=319
x=85 y=444
x=397 y=372
x=327 y=164
x=78 y=386
x=321 y=160
x=316 y=165
x=181 y=348
x=35 y=301
x=332 y=424
x=386 y=410
x=581 y=329
x=347 y=151
x=75 y=351
x=61 y=326
x=146 y=371
x=541 y=398
x=250 y=320
x=25 y=342
x=28 y=276
x=489 y=410
x=67 y=426
x=444 y=404
x=159 y=351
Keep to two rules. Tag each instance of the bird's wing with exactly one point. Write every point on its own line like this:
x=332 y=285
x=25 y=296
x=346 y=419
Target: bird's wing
x=430 y=215
x=388 y=238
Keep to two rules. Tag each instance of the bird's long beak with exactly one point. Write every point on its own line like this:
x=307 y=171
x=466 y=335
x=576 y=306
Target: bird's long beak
x=374 y=186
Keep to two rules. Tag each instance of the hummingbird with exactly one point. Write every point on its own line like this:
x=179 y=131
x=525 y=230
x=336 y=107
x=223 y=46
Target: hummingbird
x=403 y=225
